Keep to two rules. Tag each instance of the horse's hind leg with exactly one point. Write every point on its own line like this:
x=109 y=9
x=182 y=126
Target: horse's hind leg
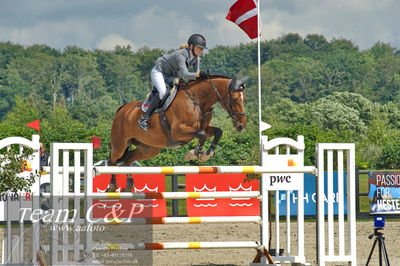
x=118 y=151
x=141 y=152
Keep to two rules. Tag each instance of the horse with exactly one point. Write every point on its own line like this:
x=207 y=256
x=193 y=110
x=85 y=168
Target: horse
x=187 y=117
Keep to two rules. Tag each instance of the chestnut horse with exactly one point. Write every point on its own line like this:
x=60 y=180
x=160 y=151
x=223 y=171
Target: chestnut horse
x=188 y=116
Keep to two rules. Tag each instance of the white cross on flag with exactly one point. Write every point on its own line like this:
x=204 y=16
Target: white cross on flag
x=244 y=14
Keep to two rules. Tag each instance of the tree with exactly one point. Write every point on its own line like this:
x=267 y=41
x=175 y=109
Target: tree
x=12 y=164
x=81 y=78
x=380 y=50
x=344 y=45
x=297 y=78
x=390 y=158
x=336 y=116
x=317 y=42
x=14 y=124
x=365 y=108
x=122 y=76
x=61 y=127
x=286 y=112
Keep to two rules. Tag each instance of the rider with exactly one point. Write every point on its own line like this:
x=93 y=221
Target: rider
x=173 y=65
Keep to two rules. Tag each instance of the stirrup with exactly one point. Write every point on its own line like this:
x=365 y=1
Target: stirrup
x=144 y=123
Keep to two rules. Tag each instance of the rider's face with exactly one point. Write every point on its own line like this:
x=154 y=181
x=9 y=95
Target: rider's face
x=197 y=51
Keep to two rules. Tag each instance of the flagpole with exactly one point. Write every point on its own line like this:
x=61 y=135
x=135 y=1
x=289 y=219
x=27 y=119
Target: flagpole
x=259 y=71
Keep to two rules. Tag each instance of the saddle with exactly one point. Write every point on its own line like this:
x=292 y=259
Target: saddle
x=172 y=89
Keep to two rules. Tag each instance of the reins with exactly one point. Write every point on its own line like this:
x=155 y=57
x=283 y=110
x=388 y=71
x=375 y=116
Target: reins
x=232 y=114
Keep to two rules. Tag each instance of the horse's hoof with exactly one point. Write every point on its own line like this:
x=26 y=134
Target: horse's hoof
x=191 y=155
x=126 y=189
x=111 y=188
x=204 y=157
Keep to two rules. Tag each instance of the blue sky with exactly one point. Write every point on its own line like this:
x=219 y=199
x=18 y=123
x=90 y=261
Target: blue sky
x=102 y=24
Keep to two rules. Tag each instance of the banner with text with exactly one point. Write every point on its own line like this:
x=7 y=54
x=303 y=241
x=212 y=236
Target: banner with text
x=310 y=196
x=384 y=192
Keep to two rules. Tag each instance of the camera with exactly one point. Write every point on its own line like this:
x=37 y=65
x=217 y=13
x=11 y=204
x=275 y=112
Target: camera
x=379 y=221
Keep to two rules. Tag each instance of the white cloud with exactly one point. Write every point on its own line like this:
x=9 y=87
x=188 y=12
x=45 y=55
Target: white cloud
x=53 y=33
x=165 y=25
x=109 y=42
x=160 y=28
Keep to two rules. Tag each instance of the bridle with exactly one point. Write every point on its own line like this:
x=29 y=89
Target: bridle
x=236 y=116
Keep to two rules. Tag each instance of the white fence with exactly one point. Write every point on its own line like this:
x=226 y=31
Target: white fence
x=282 y=169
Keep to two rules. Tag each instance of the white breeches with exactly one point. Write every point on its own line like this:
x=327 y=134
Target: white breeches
x=158 y=80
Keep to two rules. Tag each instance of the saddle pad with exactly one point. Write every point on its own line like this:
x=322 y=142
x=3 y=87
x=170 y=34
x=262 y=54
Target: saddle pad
x=165 y=105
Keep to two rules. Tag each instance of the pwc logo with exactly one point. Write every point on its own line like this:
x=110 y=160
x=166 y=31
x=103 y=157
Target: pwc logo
x=274 y=179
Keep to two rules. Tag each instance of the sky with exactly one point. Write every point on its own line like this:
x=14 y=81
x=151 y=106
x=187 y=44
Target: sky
x=103 y=24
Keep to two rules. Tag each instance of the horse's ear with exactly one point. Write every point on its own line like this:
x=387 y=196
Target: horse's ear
x=243 y=80
x=240 y=84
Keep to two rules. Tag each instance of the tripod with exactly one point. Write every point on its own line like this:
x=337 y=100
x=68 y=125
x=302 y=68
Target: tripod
x=382 y=248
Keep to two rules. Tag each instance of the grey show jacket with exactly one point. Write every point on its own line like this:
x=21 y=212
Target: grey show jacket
x=176 y=64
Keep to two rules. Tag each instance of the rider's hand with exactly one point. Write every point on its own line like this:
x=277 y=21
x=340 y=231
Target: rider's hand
x=203 y=74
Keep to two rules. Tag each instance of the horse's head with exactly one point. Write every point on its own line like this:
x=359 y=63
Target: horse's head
x=234 y=103
x=230 y=93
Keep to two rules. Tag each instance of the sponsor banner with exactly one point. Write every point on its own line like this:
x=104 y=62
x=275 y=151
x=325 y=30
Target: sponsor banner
x=129 y=208
x=310 y=196
x=221 y=207
x=384 y=192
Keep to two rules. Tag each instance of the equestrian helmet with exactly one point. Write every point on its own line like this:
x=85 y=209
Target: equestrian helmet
x=197 y=40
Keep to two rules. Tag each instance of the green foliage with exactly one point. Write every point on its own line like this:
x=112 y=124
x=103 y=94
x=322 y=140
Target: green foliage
x=22 y=113
x=390 y=158
x=328 y=91
x=312 y=133
x=337 y=116
x=286 y=111
x=12 y=163
x=60 y=127
x=317 y=43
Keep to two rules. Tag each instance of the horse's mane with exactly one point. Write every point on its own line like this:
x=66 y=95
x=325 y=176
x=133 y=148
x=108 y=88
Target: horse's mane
x=190 y=83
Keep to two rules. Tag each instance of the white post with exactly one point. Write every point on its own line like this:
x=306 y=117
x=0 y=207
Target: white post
x=65 y=204
x=56 y=190
x=320 y=207
x=77 y=205
x=351 y=202
x=331 y=256
x=271 y=157
x=88 y=177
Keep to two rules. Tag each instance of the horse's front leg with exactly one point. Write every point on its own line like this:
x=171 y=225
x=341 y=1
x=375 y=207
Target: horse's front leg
x=198 y=150
x=217 y=134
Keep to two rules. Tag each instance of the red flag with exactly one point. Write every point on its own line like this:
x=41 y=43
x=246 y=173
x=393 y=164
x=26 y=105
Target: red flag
x=35 y=125
x=96 y=142
x=244 y=14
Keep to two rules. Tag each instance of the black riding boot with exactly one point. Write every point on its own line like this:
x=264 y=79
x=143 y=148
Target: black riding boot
x=144 y=120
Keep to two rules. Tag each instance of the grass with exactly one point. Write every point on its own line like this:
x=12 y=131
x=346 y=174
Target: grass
x=363 y=186
x=181 y=203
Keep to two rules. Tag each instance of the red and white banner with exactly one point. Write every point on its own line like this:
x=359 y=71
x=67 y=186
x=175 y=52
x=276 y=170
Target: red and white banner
x=221 y=207
x=129 y=208
x=244 y=14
